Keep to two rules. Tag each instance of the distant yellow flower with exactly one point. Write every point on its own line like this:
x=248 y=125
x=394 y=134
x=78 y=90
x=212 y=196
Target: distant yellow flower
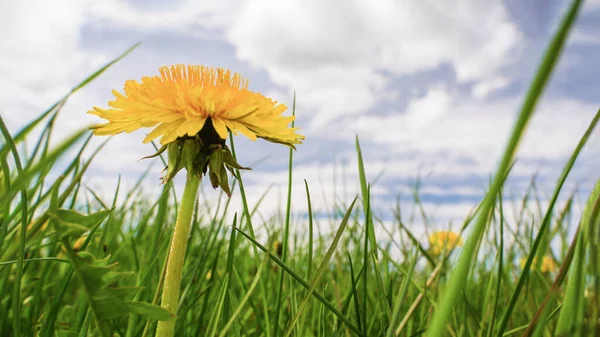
x=192 y=109
x=185 y=99
x=443 y=240
x=548 y=265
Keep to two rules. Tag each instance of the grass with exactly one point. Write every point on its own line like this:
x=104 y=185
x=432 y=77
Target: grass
x=75 y=264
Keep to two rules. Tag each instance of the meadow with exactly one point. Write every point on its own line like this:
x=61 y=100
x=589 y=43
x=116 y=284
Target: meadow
x=75 y=263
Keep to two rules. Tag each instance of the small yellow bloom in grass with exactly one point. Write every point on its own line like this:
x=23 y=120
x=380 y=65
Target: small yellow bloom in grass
x=548 y=264
x=443 y=240
x=201 y=104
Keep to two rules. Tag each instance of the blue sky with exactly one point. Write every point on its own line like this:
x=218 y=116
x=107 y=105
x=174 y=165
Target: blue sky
x=430 y=87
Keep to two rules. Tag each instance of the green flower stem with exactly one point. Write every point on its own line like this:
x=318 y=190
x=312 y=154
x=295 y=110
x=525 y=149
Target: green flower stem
x=170 y=295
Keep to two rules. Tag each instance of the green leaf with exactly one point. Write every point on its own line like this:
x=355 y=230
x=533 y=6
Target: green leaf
x=69 y=223
x=99 y=281
x=114 y=308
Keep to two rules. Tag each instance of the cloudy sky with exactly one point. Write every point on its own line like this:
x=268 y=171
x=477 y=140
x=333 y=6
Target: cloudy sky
x=431 y=87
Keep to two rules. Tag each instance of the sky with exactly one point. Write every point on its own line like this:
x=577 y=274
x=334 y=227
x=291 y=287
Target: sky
x=431 y=88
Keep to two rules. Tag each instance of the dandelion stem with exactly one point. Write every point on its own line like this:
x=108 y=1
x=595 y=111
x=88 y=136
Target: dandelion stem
x=170 y=295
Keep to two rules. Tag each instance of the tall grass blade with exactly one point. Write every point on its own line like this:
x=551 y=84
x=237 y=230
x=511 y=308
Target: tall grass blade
x=448 y=299
x=324 y=265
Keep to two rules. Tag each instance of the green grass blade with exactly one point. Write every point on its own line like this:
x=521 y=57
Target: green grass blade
x=304 y=284
x=572 y=312
x=443 y=312
x=324 y=265
x=366 y=257
x=104 y=68
x=16 y=299
x=370 y=231
x=555 y=290
x=248 y=217
x=401 y=296
x=215 y=317
x=354 y=294
x=286 y=232
x=245 y=299
x=230 y=256
x=310 y=232
x=545 y=224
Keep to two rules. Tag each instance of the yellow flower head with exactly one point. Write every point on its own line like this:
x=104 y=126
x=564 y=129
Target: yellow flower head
x=192 y=109
x=548 y=265
x=185 y=99
x=443 y=240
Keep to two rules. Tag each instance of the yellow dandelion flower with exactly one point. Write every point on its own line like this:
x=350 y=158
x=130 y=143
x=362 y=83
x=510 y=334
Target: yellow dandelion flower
x=184 y=100
x=192 y=109
x=443 y=240
x=548 y=264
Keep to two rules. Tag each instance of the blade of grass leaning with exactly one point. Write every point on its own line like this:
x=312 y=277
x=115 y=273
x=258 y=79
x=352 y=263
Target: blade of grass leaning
x=365 y=280
x=286 y=233
x=38 y=222
x=449 y=297
x=20 y=136
x=594 y=267
x=304 y=284
x=48 y=325
x=400 y=298
x=230 y=255
x=357 y=310
x=500 y=248
x=324 y=265
x=250 y=227
x=572 y=311
x=249 y=292
x=16 y=298
x=412 y=309
x=310 y=232
x=43 y=143
x=370 y=230
x=104 y=68
x=26 y=176
x=58 y=105
x=555 y=290
x=545 y=224
x=215 y=317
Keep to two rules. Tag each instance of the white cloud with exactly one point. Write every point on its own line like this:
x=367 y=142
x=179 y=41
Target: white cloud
x=421 y=112
x=298 y=44
x=461 y=137
x=184 y=17
x=40 y=57
x=484 y=88
x=592 y=4
x=332 y=52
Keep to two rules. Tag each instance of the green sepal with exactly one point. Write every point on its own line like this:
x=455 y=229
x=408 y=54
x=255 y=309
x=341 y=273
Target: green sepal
x=225 y=182
x=160 y=151
x=214 y=180
x=215 y=161
x=230 y=161
x=218 y=173
x=188 y=155
x=174 y=165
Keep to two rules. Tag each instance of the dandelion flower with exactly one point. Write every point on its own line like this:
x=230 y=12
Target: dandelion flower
x=184 y=99
x=443 y=241
x=198 y=103
x=548 y=265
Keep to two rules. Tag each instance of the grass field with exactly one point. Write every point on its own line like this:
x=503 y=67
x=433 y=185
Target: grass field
x=75 y=263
